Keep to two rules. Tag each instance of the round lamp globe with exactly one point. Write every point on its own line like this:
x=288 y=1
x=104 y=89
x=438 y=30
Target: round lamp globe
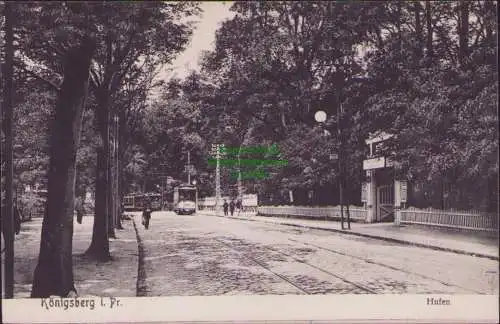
x=320 y=116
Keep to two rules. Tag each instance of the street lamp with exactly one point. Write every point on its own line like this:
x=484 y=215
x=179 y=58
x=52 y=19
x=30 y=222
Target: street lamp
x=320 y=117
x=196 y=197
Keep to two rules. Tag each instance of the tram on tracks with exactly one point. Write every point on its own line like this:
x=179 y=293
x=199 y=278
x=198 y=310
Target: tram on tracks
x=185 y=200
x=135 y=201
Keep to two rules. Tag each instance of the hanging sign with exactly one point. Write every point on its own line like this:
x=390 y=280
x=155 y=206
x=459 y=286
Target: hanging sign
x=375 y=163
x=404 y=191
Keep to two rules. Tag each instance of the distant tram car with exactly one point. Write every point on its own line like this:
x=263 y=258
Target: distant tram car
x=185 y=199
x=135 y=202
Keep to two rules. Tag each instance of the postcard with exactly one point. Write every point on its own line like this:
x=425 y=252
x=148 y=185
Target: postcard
x=249 y=162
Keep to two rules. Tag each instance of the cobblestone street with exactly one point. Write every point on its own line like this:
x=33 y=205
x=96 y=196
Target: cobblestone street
x=205 y=255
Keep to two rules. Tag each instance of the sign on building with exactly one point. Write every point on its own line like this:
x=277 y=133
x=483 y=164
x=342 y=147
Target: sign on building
x=375 y=163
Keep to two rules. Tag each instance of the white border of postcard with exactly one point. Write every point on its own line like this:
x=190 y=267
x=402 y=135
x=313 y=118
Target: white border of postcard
x=254 y=308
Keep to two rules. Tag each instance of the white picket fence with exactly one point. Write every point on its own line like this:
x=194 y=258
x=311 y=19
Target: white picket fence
x=356 y=213
x=249 y=203
x=473 y=220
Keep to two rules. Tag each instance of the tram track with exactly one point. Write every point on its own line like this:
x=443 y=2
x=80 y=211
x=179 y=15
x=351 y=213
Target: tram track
x=243 y=251
x=261 y=264
x=369 y=261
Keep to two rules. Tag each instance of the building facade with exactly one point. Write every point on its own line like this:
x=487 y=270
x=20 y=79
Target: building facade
x=382 y=192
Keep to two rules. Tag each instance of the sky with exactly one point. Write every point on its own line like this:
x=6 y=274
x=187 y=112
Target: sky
x=203 y=39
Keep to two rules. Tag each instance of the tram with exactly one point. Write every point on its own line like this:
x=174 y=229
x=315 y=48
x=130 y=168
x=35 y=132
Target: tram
x=135 y=201
x=185 y=199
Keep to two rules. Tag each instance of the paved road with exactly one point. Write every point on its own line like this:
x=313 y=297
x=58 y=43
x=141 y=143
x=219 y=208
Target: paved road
x=206 y=255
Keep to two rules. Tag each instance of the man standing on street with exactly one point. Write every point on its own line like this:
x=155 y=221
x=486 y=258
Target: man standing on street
x=231 y=207
x=224 y=206
x=79 y=209
x=239 y=206
x=146 y=213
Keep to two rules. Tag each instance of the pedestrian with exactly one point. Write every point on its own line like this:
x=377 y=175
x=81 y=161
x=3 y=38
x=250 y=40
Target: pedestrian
x=239 y=206
x=146 y=213
x=79 y=209
x=225 y=206
x=17 y=217
x=122 y=210
x=231 y=207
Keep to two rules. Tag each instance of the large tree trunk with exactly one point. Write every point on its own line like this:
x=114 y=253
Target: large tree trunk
x=7 y=116
x=99 y=247
x=54 y=272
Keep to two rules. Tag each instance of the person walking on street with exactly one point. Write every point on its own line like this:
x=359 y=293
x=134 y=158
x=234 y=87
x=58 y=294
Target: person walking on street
x=225 y=206
x=239 y=206
x=231 y=207
x=79 y=209
x=146 y=213
x=17 y=217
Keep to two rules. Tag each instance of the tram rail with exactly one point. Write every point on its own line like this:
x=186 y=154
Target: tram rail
x=241 y=247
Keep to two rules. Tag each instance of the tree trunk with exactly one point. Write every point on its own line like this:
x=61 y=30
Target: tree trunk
x=119 y=193
x=110 y=186
x=121 y=154
x=430 y=31
x=463 y=32
x=54 y=272
x=7 y=116
x=347 y=202
x=116 y=196
x=418 y=29
x=398 y=26
x=99 y=247
x=490 y=12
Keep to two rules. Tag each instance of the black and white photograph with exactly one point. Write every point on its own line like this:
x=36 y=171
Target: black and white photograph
x=226 y=151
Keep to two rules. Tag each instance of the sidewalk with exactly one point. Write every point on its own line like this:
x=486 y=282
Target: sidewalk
x=427 y=237
x=117 y=277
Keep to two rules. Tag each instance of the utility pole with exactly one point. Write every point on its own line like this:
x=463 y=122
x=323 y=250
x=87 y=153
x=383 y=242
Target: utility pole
x=8 y=218
x=340 y=157
x=217 y=179
x=189 y=167
x=162 y=179
x=216 y=152
x=240 y=187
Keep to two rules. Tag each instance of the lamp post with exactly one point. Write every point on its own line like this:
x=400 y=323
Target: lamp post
x=116 y=173
x=320 y=117
x=196 y=197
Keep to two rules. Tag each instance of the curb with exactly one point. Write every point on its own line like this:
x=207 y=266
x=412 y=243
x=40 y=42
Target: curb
x=141 y=287
x=376 y=237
